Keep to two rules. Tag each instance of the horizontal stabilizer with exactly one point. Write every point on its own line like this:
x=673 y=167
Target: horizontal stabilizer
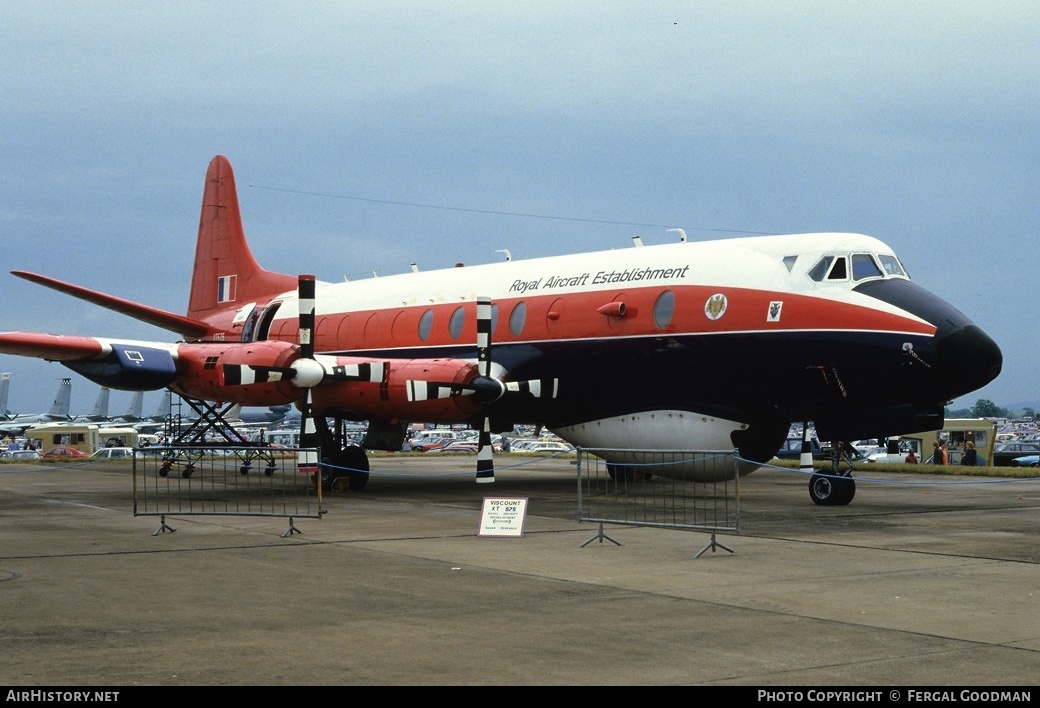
x=186 y=327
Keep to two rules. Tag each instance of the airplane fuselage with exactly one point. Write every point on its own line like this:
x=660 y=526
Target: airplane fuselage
x=690 y=345
x=749 y=331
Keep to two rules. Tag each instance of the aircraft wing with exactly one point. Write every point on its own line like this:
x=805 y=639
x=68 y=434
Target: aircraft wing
x=169 y=321
x=52 y=347
x=121 y=364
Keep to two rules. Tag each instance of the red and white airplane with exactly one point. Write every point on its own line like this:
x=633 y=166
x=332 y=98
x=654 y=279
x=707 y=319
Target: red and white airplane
x=691 y=345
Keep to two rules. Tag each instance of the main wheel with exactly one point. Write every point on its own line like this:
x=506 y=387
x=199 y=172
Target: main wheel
x=354 y=459
x=829 y=490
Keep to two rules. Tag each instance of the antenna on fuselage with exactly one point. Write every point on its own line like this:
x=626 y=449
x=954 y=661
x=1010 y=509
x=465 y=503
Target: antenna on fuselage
x=509 y=256
x=682 y=234
x=415 y=268
x=637 y=242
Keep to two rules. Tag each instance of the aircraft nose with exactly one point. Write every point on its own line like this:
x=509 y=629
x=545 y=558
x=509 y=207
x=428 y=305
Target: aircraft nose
x=966 y=359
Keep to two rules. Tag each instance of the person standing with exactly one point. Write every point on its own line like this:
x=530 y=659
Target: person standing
x=971 y=455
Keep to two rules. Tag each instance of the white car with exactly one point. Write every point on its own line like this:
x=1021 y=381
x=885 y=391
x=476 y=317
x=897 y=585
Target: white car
x=23 y=455
x=111 y=453
x=548 y=446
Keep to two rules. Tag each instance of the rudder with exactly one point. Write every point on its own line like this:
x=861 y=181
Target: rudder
x=226 y=274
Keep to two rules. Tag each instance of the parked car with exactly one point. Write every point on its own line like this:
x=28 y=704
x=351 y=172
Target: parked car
x=112 y=453
x=548 y=446
x=65 y=451
x=792 y=449
x=1005 y=453
x=1026 y=461
x=429 y=443
x=20 y=455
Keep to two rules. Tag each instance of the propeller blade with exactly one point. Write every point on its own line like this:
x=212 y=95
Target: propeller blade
x=307 y=457
x=485 y=451
x=246 y=374
x=485 y=454
x=306 y=301
x=539 y=388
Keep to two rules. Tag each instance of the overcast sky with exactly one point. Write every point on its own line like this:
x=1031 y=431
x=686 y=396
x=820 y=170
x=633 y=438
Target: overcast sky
x=916 y=122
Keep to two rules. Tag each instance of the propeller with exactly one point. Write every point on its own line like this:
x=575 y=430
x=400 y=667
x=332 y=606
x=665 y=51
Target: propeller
x=485 y=450
x=307 y=457
x=485 y=389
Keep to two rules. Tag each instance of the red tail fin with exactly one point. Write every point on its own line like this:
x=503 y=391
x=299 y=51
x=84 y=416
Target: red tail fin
x=226 y=275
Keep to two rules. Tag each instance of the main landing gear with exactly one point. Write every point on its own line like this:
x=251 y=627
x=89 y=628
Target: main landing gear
x=340 y=459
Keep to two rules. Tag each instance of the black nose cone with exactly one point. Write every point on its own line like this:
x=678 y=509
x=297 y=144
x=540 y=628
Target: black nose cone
x=966 y=359
x=963 y=357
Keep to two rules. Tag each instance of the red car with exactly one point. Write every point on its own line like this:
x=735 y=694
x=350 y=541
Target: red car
x=64 y=451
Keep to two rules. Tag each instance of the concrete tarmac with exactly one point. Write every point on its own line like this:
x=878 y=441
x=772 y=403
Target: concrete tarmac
x=920 y=581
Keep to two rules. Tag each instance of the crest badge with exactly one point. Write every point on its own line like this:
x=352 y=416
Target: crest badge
x=774 y=311
x=715 y=307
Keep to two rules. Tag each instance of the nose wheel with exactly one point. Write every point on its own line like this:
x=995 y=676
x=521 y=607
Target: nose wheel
x=832 y=489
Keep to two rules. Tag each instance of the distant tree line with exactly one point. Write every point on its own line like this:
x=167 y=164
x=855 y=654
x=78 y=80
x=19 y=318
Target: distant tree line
x=985 y=408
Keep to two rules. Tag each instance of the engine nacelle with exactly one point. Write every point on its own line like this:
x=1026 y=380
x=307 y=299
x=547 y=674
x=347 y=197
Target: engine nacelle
x=129 y=367
x=270 y=373
x=389 y=398
x=201 y=372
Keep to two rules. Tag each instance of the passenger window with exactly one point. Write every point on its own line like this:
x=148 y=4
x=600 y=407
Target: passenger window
x=517 y=318
x=664 y=308
x=425 y=325
x=458 y=319
x=863 y=266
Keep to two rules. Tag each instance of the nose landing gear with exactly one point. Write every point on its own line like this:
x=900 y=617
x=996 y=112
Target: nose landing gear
x=836 y=488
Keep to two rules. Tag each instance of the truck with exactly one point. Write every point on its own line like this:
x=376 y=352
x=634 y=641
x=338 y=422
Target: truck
x=86 y=437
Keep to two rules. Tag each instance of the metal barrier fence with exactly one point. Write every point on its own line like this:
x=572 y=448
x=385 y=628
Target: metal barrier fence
x=234 y=480
x=687 y=489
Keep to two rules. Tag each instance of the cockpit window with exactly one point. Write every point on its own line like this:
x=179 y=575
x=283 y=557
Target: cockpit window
x=892 y=266
x=839 y=271
x=819 y=271
x=863 y=266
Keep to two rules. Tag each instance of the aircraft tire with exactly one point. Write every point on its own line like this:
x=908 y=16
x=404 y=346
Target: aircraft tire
x=827 y=490
x=355 y=460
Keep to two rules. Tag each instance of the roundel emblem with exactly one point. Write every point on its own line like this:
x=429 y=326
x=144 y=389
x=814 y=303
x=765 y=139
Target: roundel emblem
x=715 y=307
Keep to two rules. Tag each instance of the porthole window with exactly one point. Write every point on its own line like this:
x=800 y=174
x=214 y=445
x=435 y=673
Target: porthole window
x=458 y=319
x=664 y=309
x=517 y=318
x=425 y=325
